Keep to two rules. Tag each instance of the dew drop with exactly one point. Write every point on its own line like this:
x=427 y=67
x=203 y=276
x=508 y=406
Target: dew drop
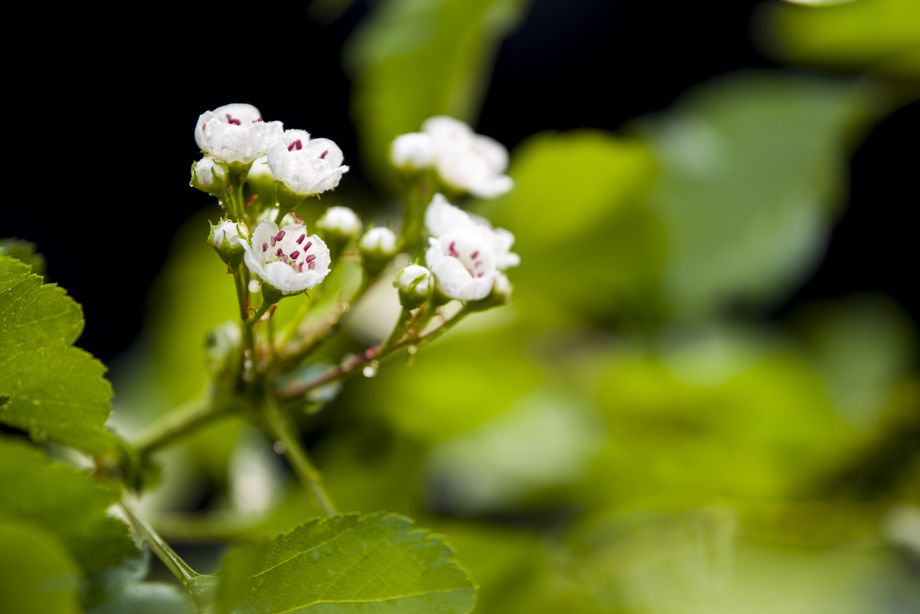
x=370 y=370
x=279 y=447
x=412 y=349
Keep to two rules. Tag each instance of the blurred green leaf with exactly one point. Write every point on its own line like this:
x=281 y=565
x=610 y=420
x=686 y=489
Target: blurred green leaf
x=56 y=391
x=585 y=236
x=147 y=598
x=347 y=563
x=23 y=251
x=710 y=416
x=36 y=573
x=414 y=59
x=874 y=35
x=64 y=501
x=753 y=168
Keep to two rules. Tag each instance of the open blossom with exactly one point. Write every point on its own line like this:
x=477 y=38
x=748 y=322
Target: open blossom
x=462 y=265
x=287 y=258
x=306 y=166
x=464 y=160
x=442 y=218
x=235 y=133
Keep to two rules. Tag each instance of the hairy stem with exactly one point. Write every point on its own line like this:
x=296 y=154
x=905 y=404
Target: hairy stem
x=281 y=430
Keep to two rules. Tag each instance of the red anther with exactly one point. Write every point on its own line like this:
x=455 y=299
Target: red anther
x=295 y=145
x=297 y=217
x=251 y=199
x=233 y=120
x=323 y=155
x=310 y=258
x=258 y=120
x=475 y=255
x=311 y=265
x=279 y=236
x=300 y=268
x=265 y=247
x=307 y=246
x=294 y=255
x=279 y=252
x=301 y=238
x=452 y=249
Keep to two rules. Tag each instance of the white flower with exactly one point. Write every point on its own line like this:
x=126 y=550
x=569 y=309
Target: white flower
x=227 y=234
x=260 y=170
x=379 y=241
x=287 y=258
x=466 y=161
x=207 y=173
x=443 y=218
x=502 y=288
x=341 y=222
x=235 y=133
x=415 y=284
x=463 y=266
x=306 y=166
x=413 y=151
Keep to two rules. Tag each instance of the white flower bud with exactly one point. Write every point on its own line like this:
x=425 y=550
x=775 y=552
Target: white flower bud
x=287 y=259
x=209 y=176
x=415 y=284
x=412 y=152
x=227 y=238
x=235 y=133
x=340 y=223
x=379 y=241
x=306 y=166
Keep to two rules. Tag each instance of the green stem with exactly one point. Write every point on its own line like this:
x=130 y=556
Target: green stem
x=263 y=309
x=180 y=422
x=280 y=429
x=197 y=585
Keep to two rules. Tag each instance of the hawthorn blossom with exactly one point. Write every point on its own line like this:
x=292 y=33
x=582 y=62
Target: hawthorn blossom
x=442 y=218
x=464 y=160
x=287 y=258
x=208 y=175
x=463 y=266
x=306 y=166
x=235 y=133
x=340 y=222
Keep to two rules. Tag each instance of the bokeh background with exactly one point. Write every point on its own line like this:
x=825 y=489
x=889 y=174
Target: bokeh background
x=705 y=396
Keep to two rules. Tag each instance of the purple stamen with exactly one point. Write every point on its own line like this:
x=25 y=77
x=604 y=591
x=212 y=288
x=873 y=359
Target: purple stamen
x=295 y=145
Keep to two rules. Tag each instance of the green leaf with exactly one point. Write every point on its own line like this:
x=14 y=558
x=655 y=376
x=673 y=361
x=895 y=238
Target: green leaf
x=146 y=598
x=412 y=60
x=56 y=391
x=66 y=502
x=589 y=188
x=875 y=35
x=371 y=563
x=36 y=573
x=23 y=251
x=753 y=168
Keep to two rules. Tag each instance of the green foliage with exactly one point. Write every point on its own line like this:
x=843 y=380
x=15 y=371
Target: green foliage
x=753 y=170
x=370 y=563
x=25 y=252
x=70 y=504
x=57 y=392
x=412 y=60
x=875 y=35
x=36 y=572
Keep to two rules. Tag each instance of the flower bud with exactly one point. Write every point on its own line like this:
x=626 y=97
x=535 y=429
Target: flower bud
x=412 y=152
x=339 y=225
x=415 y=284
x=378 y=246
x=226 y=238
x=209 y=176
x=260 y=189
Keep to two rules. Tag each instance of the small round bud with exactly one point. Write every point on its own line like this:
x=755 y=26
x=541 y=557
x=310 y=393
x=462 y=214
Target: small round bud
x=378 y=246
x=227 y=240
x=412 y=152
x=209 y=176
x=415 y=284
x=339 y=225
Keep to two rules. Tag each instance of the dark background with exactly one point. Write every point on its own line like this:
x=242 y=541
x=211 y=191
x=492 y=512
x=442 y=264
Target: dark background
x=98 y=139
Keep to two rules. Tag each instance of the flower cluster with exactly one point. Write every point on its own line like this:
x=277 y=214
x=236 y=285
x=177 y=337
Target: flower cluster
x=261 y=172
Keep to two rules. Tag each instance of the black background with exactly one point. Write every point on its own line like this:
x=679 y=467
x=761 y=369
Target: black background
x=98 y=132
